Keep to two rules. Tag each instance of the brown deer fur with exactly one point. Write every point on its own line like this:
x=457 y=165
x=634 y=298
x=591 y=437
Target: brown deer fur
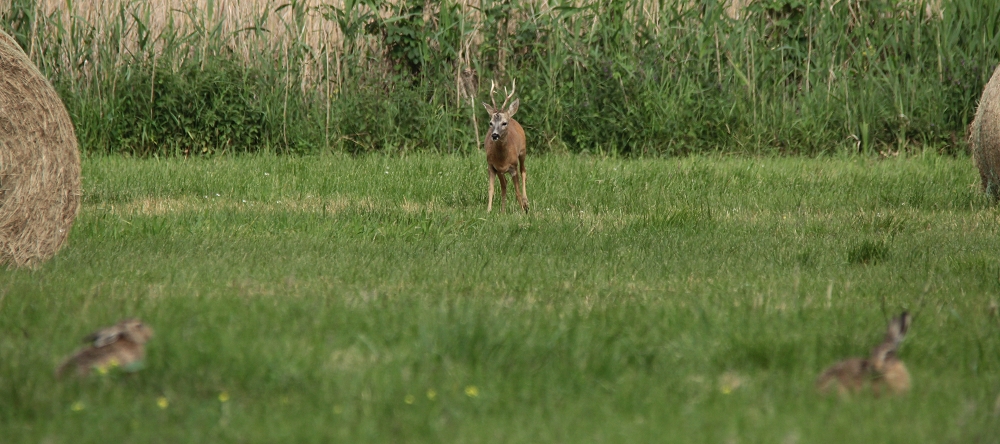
x=505 y=151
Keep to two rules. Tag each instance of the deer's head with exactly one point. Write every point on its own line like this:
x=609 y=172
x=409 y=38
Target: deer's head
x=500 y=117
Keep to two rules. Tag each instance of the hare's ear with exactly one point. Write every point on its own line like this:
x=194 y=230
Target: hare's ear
x=904 y=323
x=897 y=330
x=104 y=337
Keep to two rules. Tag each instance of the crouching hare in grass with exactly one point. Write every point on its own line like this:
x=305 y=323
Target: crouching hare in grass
x=505 y=150
x=120 y=345
x=881 y=369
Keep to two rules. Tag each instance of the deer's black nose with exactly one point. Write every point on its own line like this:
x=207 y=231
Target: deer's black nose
x=495 y=136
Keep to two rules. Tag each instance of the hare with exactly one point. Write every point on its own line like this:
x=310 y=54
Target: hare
x=122 y=344
x=882 y=368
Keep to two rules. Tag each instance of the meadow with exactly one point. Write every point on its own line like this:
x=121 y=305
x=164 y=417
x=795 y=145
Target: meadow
x=290 y=193
x=372 y=299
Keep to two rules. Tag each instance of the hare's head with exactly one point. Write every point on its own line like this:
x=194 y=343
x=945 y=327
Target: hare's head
x=500 y=117
x=136 y=331
x=894 y=336
x=132 y=330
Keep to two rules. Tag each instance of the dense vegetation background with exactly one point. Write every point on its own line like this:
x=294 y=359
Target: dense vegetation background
x=200 y=77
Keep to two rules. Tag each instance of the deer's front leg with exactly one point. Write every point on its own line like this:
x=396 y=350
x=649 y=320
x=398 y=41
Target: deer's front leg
x=503 y=192
x=489 y=192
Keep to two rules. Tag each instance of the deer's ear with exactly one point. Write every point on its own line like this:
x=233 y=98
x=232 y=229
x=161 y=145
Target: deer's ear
x=513 y=108
x=489 y=109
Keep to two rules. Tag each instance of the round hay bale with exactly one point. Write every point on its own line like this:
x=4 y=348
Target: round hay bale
x=39 y=162
x=984 y=136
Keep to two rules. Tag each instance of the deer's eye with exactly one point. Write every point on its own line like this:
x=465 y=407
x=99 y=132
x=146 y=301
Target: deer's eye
x=505 y=124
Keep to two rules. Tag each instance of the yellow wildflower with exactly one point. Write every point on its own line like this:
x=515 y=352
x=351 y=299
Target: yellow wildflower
x=409 y=399
x=730 y=381
x=431 y=394
x=77 y=406
x=471 y=391
x=162 y=402
x=224 y=396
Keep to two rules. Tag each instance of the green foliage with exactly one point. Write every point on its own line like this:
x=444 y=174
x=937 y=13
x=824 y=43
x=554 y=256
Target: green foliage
x=630 y=77
x=404 y=37
x=370 y=121
x=17 y=20
x=190 y=110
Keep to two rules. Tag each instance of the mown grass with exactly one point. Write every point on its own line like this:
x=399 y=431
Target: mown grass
x=372 y=299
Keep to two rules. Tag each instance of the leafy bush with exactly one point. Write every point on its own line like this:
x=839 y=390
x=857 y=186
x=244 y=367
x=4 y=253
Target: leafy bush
x=190 y=110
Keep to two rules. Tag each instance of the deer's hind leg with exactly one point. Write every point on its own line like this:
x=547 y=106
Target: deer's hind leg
x=523 y=172
x=518 y=188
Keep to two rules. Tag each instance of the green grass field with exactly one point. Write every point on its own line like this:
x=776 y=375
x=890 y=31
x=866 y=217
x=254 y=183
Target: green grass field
x=373 y=299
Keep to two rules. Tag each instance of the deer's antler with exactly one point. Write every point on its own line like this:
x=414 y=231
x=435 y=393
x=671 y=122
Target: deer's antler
x=513 y=87
x=493 y=87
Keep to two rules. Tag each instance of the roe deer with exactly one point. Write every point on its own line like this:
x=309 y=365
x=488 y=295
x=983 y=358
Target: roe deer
x=505 y=150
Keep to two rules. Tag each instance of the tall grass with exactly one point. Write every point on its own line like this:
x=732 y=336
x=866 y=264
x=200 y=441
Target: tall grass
x=630 y=77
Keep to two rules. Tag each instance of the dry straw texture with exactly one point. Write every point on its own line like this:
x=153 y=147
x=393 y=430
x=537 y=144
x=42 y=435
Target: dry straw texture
x=39 y=162
x=984 y=136
x=252 y=29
